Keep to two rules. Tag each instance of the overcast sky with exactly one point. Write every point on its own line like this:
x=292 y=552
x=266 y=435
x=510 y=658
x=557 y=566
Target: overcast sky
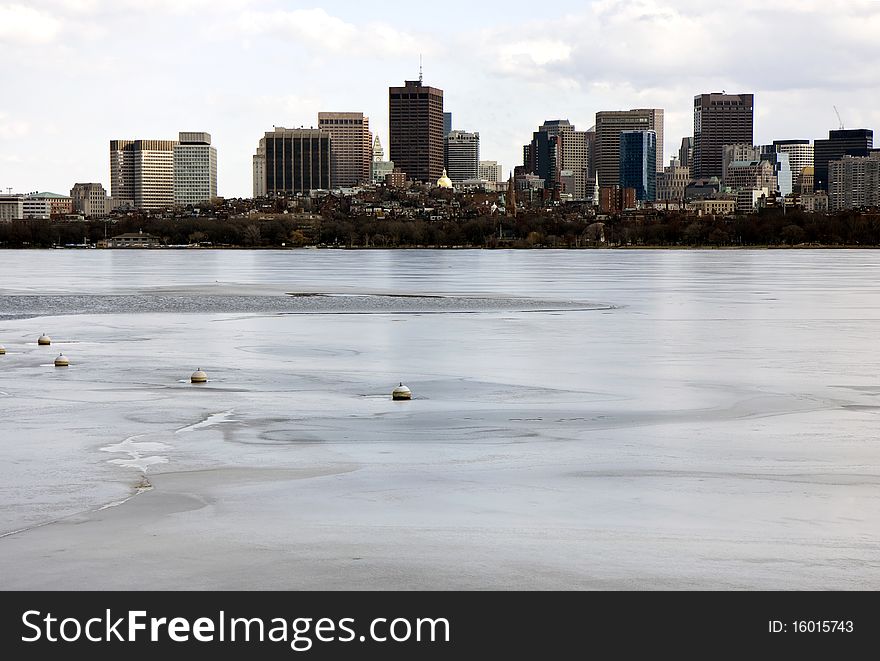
x=78 y=73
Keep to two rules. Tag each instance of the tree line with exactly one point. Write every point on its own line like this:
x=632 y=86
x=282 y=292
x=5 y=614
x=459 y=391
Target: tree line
x=555 y=228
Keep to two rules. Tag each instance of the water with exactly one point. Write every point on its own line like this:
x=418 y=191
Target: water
x=591 y=419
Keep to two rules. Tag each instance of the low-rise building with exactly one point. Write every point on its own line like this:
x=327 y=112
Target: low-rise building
x=43 y=206
x=751 y=199
x=379 y=170
x=134 y=240
x=11 y=207
x=702 y=189
x=396 y=178
x=815 y=202
x=614 y=199
x=713 y=207
x=90 y=200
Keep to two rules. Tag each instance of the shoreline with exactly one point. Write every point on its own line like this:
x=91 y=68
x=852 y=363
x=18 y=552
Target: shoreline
x=453 y=248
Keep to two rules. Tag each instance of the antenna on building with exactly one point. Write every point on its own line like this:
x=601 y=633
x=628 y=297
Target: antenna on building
x=420 y=68
x=839 y=119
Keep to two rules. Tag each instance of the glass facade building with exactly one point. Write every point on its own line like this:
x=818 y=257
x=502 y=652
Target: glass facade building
x=638 y=160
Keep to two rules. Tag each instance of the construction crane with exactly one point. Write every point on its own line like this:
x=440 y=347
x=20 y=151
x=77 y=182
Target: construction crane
x=839 y=118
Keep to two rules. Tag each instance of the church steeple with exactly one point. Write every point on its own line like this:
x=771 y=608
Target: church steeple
x=511 y=197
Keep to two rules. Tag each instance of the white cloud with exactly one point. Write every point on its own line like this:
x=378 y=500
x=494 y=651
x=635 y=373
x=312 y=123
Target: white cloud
x=25 y=25
x=318 y=30
x=128 y=7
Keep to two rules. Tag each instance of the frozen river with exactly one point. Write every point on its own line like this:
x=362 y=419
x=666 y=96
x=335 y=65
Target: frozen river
x=591 y=419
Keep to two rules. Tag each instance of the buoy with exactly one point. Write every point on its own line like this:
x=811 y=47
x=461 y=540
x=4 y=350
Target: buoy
x=401 y=392
x=62 y=361
x=44 y=340
x=2 y=350
x=199 y=376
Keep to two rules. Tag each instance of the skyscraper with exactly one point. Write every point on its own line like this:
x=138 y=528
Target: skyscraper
x=638 y=160
x=558 y=147
x=800 y=156
x=854 y=181
x=415 y=123
x=462 y=156
x=846 y=142
x=686 y=152
x=609 y=125
x=447 y=123
x=143 y=171
x=720 y=119
x=195 y=169
x=352 y=147
x=295 y=160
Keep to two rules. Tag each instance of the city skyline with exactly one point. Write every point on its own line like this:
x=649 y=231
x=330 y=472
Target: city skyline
x=88 y=71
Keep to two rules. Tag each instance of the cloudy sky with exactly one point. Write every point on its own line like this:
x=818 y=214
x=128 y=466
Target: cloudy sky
x=78 y=73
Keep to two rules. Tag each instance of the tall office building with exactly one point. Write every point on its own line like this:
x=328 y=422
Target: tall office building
x=490 y=171
x=591 y=158
x=800 y=156
x=559 y=147
x=447 y=123
x=854 y=181
x=686 y=152
x=574 y=157
x=462 y=156
x=638 y=160
x=143 y=171
x=195 y=169
x=720 y=119
x=781 y=170
x=542 y=156
x=609 y=125
x=294 y=161
x=352 y=148
x=845 y=142
x=733 y=153
x=415 y=123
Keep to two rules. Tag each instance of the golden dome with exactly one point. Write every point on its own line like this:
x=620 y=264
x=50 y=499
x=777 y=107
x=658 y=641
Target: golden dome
x=444 y=181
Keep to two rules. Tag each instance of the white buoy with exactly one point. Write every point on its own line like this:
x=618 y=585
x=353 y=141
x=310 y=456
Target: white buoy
x=62 y=361
x=44 y=340
x=401 y=392
x=2 y=350
x=199 y=376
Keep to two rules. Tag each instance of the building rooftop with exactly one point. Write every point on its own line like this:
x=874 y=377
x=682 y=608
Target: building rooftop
x=48 y=196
